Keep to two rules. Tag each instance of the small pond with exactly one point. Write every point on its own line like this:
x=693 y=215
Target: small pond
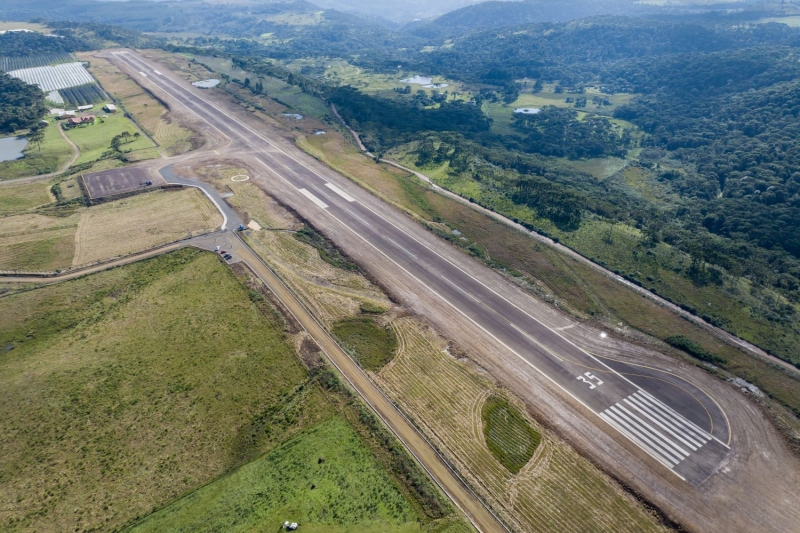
x=11 y=148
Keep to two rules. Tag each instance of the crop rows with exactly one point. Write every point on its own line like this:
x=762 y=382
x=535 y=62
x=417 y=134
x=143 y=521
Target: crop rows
x=83 y=95
x=556 y=491
x=16 y=63
x=55 y=78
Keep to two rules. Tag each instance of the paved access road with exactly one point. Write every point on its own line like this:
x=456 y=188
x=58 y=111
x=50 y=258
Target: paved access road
x=671 y=420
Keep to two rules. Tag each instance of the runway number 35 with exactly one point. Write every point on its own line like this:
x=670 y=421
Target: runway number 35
x=591 y=379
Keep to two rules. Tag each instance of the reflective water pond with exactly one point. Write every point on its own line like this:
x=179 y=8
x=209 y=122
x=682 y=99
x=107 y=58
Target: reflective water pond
x=11 y=148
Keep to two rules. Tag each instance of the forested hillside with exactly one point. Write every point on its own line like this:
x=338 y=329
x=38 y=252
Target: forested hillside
x=21 y=105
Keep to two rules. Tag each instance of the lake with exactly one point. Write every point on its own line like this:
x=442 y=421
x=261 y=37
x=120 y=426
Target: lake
x=11 y=148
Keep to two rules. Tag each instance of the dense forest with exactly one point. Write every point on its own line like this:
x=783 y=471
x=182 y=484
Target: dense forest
x=21 y=105
x=30 y=44
x=559 y=132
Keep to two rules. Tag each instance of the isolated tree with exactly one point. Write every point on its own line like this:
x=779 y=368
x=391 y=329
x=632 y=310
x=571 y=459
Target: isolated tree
x=37 y=136
x=136 y=136
x=126 y=136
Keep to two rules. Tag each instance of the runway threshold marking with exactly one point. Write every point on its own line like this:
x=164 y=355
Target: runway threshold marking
x=313 y=198
x=340 y=192
x=656 y=428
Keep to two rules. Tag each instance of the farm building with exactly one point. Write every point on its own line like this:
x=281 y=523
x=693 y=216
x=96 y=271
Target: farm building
x=85 y=107
x=110 y=108
x=77 y=121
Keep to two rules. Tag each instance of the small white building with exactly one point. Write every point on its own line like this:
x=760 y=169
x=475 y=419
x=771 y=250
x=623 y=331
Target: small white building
x=110 y=108
x=85 y=107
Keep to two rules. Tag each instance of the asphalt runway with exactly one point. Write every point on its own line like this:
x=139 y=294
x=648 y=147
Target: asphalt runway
x=673 y=421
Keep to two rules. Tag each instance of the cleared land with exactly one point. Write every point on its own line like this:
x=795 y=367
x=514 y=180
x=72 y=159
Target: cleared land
x=141 y=222
x=556 y=490
x=50 y=238
x=149 y=112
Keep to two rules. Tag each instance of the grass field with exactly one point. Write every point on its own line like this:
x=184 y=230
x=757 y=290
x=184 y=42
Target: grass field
x=53 y=153
x=552 y=275
x=149 y=112
x=326 y=479
x=556 y=490
x=21 y=198
x=125 y=389
x=140 y=222
x=508 y=435
x=54 y=238
x=37 y=242
x=371 y=345
x=93 y=140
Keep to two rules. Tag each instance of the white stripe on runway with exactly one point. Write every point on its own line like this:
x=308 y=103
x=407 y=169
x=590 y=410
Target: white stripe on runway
x=651 y=432
x=314 y=199
x=666 y=420
x=642 y=436
x=659 y=424
x=655 y=455
x=653 y=426
x=340 y=192
x=679 y=419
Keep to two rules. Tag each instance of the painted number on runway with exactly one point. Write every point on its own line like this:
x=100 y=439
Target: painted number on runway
x=590 y=379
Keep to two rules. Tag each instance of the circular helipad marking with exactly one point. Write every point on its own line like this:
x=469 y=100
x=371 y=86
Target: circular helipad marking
x=240 y=177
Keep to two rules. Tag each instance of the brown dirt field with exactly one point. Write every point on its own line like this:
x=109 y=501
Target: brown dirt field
x=140 y=222
x=556 y=491
x=149 y=112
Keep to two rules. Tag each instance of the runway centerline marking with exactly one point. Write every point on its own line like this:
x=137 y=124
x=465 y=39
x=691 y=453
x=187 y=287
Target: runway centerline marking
x=401 y=247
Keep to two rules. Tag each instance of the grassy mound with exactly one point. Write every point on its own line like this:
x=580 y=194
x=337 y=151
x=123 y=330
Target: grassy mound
x=509 y=437
x=371 y=345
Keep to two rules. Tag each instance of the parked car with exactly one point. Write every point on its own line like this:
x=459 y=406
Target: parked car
x=228 y=257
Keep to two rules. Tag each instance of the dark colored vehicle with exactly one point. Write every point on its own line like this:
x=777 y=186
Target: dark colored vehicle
x=223 y=252
x=228 y=257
